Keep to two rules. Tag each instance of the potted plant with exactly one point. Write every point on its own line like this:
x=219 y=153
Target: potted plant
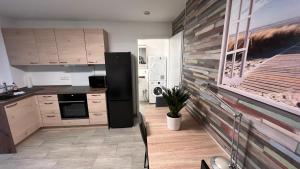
x=176 y=99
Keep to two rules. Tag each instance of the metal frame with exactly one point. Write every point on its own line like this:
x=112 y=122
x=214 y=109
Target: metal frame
x=224 y=50
x=237 y=117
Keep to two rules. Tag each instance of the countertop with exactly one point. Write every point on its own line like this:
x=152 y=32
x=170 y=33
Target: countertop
x=45 y=90
x=182 y=149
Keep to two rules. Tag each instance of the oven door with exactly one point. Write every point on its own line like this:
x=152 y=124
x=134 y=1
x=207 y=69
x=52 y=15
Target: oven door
x=73 y=109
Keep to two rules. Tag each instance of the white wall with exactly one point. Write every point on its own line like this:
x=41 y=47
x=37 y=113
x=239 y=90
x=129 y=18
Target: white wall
x=122 y=37
x=5 y=72
x=155 y=47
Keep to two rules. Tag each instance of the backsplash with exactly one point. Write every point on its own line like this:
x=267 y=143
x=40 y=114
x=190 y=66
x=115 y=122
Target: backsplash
x=59 y=75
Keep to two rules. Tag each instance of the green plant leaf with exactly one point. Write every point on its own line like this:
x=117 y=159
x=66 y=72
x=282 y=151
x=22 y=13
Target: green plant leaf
x=176 y=98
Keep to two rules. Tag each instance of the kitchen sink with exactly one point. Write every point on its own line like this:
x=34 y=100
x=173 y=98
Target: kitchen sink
x=4 y=97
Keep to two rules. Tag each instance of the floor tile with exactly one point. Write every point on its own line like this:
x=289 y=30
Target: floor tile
x=78 y=148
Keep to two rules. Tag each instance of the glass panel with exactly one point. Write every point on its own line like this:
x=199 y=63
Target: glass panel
x=242 y=33
x=237 y=67
x=231 y=37
x=228 y=66
x=142 y=56
x=73 y=110
x=245 y=9
x=235 y=10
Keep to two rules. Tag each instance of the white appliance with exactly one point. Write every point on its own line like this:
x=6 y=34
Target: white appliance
x=157 y=76
x=155 y=89
x=157 y=68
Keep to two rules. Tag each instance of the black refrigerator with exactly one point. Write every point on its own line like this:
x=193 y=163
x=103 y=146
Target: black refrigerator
x=119 y=89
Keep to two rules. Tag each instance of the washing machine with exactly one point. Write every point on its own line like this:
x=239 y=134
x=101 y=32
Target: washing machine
x=157 y=66
x=155 y=90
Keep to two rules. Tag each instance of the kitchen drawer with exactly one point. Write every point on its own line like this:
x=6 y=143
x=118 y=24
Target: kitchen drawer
x=43 y=98
x=98 y=118
x=96 y=96
x=49 y=107
x=96 y=106
x=79 y=122
x=51 y=119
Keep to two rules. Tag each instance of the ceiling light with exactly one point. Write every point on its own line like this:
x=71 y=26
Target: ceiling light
x=147 y=12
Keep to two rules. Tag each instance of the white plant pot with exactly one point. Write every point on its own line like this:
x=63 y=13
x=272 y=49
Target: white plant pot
x=173 y=123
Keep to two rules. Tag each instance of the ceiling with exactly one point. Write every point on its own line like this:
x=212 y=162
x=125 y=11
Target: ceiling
x=109 y=10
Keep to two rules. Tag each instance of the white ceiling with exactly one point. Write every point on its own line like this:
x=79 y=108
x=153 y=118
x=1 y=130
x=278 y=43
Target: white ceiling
x=109 y=10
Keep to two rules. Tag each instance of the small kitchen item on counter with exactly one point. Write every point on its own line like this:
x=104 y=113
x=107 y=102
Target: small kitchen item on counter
x=28 y=81
x=97 y=81
x=18 y=93
x=14 y=87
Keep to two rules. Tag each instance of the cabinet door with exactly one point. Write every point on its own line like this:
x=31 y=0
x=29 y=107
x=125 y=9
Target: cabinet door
x=49 y=109
x=71 y=46
x=21 y=46
x=95 y=45
x=96 y=96
x=46 y=46
x=23 y=117
x=97 y=111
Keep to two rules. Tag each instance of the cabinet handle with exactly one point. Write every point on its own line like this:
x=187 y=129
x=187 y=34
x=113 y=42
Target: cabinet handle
x=51 y=116
x=48 y=103
x=11 y=105
x=33 y=63
x=96 y=94
x=97 y=114
x=96 y=101
x=52 y=62
x=63 y=62
x=47 y=96
x=91 y=62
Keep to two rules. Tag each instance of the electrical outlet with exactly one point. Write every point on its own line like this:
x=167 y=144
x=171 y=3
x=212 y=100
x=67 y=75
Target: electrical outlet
x=64 y=78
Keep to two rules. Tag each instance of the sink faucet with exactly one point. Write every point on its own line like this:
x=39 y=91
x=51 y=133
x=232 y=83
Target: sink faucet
x=5 y=87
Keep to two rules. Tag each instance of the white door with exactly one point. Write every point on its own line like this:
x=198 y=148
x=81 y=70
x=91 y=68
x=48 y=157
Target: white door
x=175 y=60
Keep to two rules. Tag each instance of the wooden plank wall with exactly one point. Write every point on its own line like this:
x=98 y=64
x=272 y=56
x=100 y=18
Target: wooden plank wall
x=178 y=23
x=269 y=136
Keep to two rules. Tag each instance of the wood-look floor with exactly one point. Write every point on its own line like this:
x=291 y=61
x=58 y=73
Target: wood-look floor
x=182 y=149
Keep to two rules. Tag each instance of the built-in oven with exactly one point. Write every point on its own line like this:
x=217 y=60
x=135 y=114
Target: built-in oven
x=73 y=106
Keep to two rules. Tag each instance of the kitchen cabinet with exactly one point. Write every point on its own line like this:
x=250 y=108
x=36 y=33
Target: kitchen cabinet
x=46 y=46
x=49 y=109
x=23 y=118
x=97 y=108
x=96 y=96
x=71 y=46
x=21 y=46
x=96 y=44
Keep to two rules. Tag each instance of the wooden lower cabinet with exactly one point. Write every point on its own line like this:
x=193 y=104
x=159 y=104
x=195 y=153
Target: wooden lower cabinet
x=28 y=115
x=77 y=122
x=49 y=109
x=97 y=109
x=23 y=117
x=50 y=119
x=98 y=118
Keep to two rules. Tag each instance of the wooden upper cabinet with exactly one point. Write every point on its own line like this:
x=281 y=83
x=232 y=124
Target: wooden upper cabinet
x=95 y=42
x=49 y=46
x=46 y=46
x=20 y=46
x=71 y=46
